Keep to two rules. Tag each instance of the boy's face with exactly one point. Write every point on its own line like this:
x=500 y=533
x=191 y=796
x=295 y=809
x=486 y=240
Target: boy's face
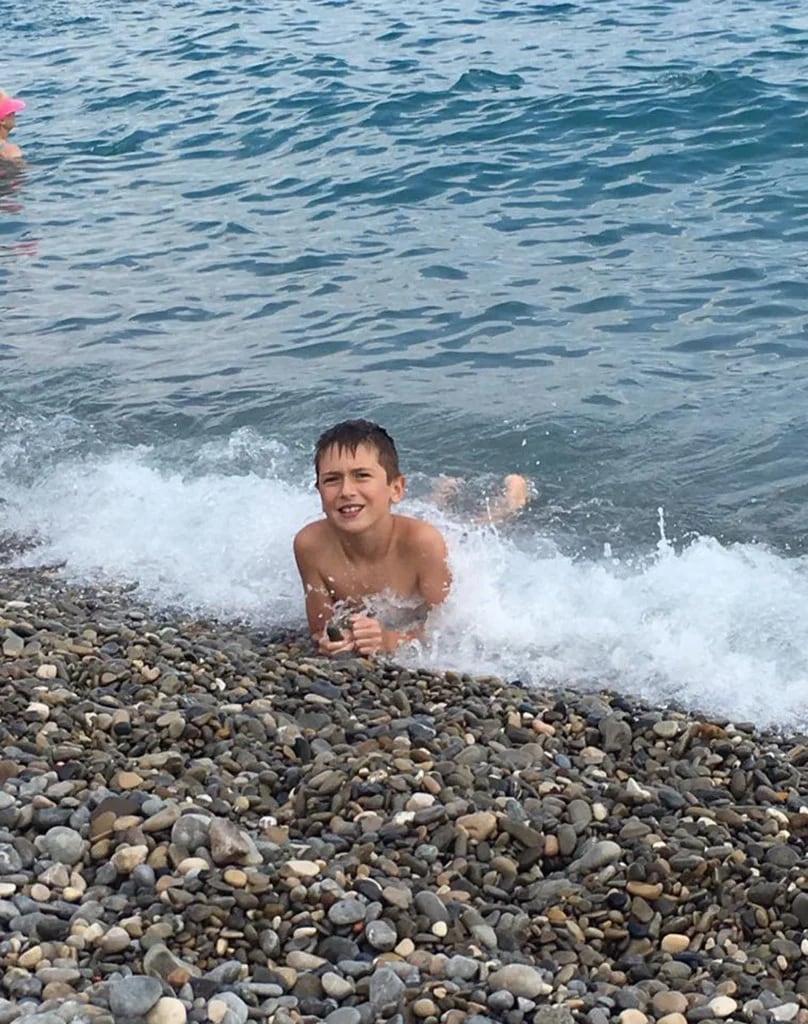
x=353 y=487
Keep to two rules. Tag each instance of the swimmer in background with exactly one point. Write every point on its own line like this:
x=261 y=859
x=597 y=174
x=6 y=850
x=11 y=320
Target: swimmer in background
x=361 y=556
x=9 y=108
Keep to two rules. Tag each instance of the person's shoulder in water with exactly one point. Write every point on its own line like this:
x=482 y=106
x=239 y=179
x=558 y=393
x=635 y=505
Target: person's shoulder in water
x=9 y=108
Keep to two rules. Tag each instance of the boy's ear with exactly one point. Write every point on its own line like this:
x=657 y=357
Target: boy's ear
x=398 y=486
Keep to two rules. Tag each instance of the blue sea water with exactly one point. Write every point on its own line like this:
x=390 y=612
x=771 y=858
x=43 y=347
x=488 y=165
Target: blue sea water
x=564 y=239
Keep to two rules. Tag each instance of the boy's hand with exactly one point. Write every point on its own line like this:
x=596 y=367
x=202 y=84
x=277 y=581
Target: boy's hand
x=330 y=647
x=368 y=635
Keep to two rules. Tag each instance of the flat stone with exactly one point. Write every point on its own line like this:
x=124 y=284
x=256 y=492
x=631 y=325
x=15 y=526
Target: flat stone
x=134 y=996
x=386 y=991
x=381 y=935
x=228 y=1008
x=347 y=911
x=344 y=1015
x=160 y=962
x=520 y=980
x=167 y=1010
x=674 y=943
x=479 y=826
x=229 y=845
x=722 y=1006
x=599 y=855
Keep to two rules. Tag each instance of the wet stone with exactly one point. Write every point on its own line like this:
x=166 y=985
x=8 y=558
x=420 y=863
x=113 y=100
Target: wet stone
x=386 y=991
x=426 y=902
x=381 y=935
x=191 y=832
x=252 y=831
x=227 y=1008
x=10 y=860
x=520 y=980
x=347 y=911
x=344 y=1015
x=133 y=997
x=335 y=948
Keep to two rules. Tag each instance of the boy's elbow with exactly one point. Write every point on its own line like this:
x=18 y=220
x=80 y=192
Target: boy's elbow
x=436 y=594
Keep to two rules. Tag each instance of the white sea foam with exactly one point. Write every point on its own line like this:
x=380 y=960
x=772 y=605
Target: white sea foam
x=710 y=627
x=213 y=542
x=706 y=626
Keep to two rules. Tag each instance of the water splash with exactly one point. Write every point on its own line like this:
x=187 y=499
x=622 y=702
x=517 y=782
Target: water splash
x=700 y=624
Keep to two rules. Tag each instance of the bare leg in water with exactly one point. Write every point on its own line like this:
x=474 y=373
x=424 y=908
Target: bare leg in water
x=515 y=494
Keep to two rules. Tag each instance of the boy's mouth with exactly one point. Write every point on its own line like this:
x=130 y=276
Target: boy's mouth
x=350 y=510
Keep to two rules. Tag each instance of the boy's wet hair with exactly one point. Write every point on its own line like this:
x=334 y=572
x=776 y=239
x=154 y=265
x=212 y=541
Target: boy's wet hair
x=350 y=434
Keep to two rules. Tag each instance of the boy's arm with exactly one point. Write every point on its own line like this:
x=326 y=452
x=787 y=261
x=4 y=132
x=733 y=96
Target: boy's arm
x=319 y=606
x=434 y=575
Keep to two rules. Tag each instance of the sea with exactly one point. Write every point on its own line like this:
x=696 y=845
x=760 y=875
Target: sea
x=568 y=240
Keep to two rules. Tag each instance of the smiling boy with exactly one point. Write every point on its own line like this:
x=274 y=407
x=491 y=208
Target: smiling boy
x=362 y=554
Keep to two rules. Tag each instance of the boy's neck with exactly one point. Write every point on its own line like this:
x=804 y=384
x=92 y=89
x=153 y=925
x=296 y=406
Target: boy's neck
x=370 y=545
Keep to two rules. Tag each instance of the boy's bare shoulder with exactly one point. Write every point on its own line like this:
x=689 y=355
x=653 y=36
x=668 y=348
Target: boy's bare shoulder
x=311 y=536
x=418 y=533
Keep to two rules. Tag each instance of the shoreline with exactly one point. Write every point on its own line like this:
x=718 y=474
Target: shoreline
x=202 y=821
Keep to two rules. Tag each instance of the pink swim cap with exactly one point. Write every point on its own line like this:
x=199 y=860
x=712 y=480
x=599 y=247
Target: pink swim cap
x=8 y=105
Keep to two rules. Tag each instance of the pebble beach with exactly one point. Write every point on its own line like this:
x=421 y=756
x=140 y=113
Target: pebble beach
x=204 y=822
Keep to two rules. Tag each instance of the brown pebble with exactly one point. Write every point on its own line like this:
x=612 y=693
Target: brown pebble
x=674 y=943
x=128 y=780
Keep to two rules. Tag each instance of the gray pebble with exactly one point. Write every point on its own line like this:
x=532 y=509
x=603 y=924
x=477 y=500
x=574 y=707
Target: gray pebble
x=347 y=911
x=134 y=997
x=63 y=845
x=237 y=1009
x=381 y=935
x=386 y=991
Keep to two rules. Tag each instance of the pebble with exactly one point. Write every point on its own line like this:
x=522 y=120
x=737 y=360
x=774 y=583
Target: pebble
x=228 y=1008
x=62 y=844
x=134 y=996
x=674 y=943
x=167 y=1010
x=722 y=1006
x=381 y=935
x=201 y=822
x=667 y=1002
x=520 y=980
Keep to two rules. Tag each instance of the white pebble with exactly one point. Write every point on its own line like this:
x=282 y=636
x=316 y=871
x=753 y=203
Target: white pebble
x=167 y=1010
x=723 y=1006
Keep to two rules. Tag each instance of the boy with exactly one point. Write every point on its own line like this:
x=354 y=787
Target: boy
x=361 y=551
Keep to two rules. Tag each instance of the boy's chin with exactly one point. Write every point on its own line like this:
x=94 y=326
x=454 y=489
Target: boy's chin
x=348 y=522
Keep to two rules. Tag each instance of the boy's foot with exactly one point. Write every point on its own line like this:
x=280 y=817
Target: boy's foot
x=516 y=492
